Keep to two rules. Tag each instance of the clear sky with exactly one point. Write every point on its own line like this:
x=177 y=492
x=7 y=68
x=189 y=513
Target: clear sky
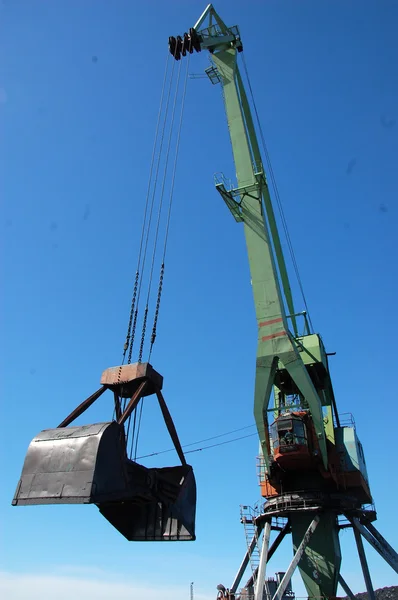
x=79 y=95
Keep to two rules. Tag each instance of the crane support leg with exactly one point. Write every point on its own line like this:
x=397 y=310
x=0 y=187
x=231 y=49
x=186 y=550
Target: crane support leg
x=364 y=565
x=346 y=588
x=321 y=560
x=375 y=539
x=296 y=559
x=274 y=547
x=263 y=562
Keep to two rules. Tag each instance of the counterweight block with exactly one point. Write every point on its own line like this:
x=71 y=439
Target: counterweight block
x=89 y=465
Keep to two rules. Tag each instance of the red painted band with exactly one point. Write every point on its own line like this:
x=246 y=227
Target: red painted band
x=271 y=322
x=274 y=335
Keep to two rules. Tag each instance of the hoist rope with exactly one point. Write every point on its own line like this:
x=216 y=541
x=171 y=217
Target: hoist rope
x=148 y=229
x=162 y=267
x=171 y=196
x=277 y=195
x=154 y=233
x=145 y=230
x=133 y=317
x=155 y=243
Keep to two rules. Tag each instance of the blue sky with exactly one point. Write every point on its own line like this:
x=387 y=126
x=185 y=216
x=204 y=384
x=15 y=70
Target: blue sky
x=79 y=95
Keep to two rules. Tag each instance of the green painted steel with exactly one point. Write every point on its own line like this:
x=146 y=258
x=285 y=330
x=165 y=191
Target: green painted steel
x=275 y=342
x=267 y=201
x=320 y=564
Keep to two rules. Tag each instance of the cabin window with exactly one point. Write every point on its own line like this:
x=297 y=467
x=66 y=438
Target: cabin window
x=274 y=436
x=285 y=424
x=300 y=436
x=288 y=432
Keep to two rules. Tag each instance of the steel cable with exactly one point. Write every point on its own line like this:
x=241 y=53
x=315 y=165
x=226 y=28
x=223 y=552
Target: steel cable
x=159 y=210
x=160 y=286
x=132 y=317
x=154 y=330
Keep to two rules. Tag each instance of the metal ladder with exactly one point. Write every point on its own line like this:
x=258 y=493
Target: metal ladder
x=247 y=517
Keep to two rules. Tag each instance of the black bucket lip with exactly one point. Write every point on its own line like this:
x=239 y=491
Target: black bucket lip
x=74 y=431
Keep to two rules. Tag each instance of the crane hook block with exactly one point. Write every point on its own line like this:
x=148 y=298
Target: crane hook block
x=89 y=464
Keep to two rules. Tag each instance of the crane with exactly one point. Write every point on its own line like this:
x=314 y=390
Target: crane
x=312 y=466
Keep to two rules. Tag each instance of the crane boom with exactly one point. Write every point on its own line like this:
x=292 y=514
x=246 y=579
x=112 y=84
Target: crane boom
x=250 y=203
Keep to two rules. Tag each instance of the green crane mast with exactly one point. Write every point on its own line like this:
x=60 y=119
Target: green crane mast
x=278 y=348
x=305 y=477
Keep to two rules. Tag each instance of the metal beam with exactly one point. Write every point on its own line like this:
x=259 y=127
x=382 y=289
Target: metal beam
x=212 y=14
x=203 y=16
x=345 y=587
x=274 y=546
x=378 y=542
x=364 y=563
x=245 y=561
x=296 y=559
x=82 y=407
x=259 y=591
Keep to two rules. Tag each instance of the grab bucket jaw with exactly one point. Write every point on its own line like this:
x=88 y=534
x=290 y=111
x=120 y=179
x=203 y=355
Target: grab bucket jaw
x=158 y=518
x=73 y=465
x=89 y=465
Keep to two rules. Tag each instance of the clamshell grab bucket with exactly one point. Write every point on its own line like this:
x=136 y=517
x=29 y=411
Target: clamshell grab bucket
x=86 y=465
x=89 y=465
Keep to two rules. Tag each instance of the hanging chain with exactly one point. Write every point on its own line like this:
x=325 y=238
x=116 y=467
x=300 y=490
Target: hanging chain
x=131 y=331
x=128 y=344
x=132 y=336
x=155 y=320
x=161 y=276
x=132 y=323
x=143 y=334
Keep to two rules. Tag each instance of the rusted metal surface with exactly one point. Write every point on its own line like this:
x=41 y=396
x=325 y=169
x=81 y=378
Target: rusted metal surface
x=387 y=549
x=125 y=379
x=139 y=393
x=118 y=409
x=82 y=407
x=170 y=426
x=376 y=540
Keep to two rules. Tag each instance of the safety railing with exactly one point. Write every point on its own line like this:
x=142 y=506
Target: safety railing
x=220 y=179
x=216 y=31
x=347 y=420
